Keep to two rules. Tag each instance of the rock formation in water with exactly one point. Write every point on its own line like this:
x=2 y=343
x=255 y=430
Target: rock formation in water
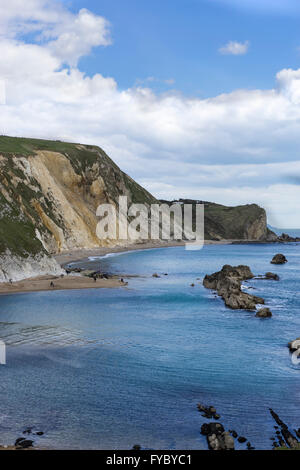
x=279 y=259
x=264 y=313
x=227 y=283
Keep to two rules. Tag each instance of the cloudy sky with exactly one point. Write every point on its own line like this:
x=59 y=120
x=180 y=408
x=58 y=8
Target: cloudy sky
x=192 y=98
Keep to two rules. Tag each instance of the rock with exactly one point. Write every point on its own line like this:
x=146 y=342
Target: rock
x=279 y=259
x=155 y=275
x=228 y=441
x=27 y=431
x=39 y=433
x=227 y=283
x=20 y=439
x=264 y=313
x=284 y=237
x=136 y=447
x=294 y=345
x=234 y=434
x=242 y=439
x=192 y=285
x=24 y=444
x=289 y=438
x=208 y=412
x=272 y=276
x=249 y=446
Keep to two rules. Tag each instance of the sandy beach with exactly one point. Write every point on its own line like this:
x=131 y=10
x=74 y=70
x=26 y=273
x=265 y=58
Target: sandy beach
x=76 y=255
x=71 y=282
x=43 y=283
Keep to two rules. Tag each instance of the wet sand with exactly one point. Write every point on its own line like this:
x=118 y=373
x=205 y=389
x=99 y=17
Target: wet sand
x=43 y=283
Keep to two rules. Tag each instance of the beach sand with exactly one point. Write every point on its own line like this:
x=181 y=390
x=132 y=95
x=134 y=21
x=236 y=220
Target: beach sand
x=77 y=255
x=43 y=283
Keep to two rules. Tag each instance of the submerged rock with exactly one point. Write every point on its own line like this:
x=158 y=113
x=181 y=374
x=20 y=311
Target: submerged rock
x=264 y=313
x=272 y=276
x=208 y=412
x=279 y=259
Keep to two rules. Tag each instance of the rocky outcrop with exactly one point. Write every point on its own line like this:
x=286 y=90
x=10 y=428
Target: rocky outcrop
x=264 y=313
x=284 y=237
x=279 y=259
x=294 y=345
x=272 y=276
x=217 y=437
x=285 y=437
x=248 y=222
x=227 y=283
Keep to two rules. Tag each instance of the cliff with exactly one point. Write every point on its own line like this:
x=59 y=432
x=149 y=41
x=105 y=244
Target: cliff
x=49 y=193
x=248 y=222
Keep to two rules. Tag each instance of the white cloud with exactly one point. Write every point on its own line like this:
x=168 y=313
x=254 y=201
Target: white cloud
x=234 y=148
x=235 y=48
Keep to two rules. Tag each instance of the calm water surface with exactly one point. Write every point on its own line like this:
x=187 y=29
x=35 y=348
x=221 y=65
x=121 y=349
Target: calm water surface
x=107 y=369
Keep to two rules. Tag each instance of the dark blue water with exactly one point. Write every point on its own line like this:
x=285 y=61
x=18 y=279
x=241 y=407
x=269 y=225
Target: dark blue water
x=107 y=369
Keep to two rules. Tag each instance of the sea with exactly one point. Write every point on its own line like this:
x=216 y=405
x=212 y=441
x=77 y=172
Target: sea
x=114 y=368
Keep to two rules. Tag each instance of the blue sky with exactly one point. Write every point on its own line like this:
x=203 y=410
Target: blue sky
x=180 y=40
x=193 y=98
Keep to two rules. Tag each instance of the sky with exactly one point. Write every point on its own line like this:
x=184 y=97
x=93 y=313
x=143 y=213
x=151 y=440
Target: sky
x=192 y=98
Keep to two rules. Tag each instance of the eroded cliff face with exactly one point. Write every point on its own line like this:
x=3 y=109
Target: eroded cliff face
x=49 y=194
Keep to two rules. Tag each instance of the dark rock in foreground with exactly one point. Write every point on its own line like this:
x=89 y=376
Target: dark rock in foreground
x=227 y=283
x=23 y=443
x=279 y=259
x=217 y=437
x=288 y=437
x=264 y=313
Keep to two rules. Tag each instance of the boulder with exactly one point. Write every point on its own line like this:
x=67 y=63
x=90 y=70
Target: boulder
x=279 y=259
x=23 y=443
x=272 y=276
x=217 y=437
x=294 y=345
x=264 y=313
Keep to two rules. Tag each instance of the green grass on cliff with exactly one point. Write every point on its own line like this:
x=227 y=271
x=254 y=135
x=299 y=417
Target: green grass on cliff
x=24 y=146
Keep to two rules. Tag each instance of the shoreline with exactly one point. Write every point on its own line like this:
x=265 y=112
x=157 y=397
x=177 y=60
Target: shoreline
x=43 y=284
x=71 y=282
x=73 y=256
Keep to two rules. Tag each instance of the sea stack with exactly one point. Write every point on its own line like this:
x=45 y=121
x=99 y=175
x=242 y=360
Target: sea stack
x=279 y=259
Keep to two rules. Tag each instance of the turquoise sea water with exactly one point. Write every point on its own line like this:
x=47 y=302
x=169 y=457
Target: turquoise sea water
x=107 y=369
